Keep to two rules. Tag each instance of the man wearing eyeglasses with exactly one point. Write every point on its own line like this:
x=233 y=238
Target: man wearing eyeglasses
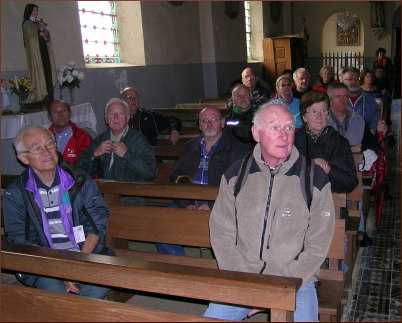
x=54 y=205
x=149 y=123
x=360 y=102
x=259 y=94
x=205 y=159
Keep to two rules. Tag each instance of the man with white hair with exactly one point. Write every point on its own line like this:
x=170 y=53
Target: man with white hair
x=271 y=223
x=120 y=153
x=54 y=205
x=301 y=77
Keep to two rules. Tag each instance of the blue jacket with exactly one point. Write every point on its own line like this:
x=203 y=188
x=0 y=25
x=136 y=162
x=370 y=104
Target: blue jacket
x=21 y=211
x=367 y=107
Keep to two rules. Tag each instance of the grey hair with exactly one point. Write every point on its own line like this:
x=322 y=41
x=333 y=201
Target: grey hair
x=129 y=88
x=237 y=87
x=18 y=140
x=300 y=70
x=120 y=101
x=257 y=114
x=332 y=86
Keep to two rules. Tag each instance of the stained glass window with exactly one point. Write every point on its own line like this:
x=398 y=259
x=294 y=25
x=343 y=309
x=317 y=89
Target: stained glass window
x=247 y=14
x=99 y=31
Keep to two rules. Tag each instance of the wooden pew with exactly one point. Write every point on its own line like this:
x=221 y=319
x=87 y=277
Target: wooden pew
x=213 y=100
x=262 y=291
x=191 y=228
x=164 y=172
x=167 y=152
x=218 y=105
x=45 y=306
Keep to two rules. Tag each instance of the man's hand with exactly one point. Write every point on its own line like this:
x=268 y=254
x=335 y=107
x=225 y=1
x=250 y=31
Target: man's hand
x=119 y=148
x=191 y=207
x=204 y=207
x=323 y=164
x=104 y=148
x=72 y=287
x=174 y=136
x=356 y=148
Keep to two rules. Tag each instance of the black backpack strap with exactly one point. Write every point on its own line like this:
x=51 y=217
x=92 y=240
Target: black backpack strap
x=308 y=181
x=242 y=176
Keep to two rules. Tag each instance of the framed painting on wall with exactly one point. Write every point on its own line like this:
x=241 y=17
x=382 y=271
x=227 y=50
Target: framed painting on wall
x=347 y=29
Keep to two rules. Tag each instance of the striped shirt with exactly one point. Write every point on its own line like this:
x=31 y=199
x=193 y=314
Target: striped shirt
x=51 y=207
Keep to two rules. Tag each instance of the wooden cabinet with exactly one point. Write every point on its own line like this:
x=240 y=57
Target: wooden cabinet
x=282 y=53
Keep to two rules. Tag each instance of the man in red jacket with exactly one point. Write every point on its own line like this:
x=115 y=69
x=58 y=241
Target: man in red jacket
x=71 y=140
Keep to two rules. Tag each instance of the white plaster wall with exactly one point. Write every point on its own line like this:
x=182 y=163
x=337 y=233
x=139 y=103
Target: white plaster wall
x=63 y=22
x=328 y=38
x=131 y=36
x=230 y=34
x=171 y=34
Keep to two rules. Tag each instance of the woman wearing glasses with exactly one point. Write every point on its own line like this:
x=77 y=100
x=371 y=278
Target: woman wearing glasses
x=323 y=144
x=284 y=94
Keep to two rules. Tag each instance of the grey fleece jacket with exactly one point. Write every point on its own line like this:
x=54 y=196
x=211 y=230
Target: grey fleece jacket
x=268 y=229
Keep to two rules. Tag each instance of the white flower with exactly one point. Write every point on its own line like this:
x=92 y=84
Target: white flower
x=80 y=76
x=74 y=73
x=71 y=63
x=70 y=78
x=65 y=67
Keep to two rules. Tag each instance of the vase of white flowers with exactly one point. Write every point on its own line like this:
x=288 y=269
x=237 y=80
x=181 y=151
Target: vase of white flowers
x=70 y=78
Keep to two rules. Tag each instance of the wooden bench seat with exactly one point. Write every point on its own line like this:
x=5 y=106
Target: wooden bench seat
x=190 y=228
x=44 y=306
x=261 y=291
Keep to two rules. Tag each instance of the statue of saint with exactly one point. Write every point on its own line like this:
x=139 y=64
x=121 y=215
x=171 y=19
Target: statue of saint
x=39 y=53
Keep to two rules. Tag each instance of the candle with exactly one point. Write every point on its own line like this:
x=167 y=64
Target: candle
x=16 y=83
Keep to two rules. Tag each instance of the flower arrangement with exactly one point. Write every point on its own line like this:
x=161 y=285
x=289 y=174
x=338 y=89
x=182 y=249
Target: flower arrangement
x=22 y=87
x=69 y=77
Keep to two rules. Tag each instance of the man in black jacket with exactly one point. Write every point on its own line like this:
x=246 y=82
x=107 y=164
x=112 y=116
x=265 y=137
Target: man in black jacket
x=205 y=159
x=148 y=123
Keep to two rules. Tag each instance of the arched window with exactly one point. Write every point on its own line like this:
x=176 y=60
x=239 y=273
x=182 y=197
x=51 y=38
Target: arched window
x=99 y=31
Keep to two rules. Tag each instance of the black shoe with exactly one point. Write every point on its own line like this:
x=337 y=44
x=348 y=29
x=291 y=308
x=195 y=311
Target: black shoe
x=366 y=242
x=391 y=140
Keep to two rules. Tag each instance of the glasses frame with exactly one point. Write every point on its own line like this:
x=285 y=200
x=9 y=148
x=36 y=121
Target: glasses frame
x=37 y=150
x=212 y=121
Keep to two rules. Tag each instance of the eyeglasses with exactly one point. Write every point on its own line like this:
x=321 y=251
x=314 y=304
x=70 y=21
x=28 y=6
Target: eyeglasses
x=248 y=77
x=351 y=79
x=276 y=129
x=39 y=149
x=129 y=97
x=285 y=84
x=206 y=121
x=314 y=113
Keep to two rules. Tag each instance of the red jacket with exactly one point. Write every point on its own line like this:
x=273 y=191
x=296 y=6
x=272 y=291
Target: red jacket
x=78 y=142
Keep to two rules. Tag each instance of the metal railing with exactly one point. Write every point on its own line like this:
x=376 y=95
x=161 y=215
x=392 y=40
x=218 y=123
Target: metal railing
x=343 y=59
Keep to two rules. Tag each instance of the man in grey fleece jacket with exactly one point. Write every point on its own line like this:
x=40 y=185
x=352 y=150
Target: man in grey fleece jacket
x=269 y=227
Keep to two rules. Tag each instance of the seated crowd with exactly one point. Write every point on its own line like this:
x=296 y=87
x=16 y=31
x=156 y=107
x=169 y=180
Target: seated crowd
x=298 y=134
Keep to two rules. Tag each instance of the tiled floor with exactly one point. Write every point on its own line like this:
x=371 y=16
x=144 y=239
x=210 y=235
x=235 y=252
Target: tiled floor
x=376 y=289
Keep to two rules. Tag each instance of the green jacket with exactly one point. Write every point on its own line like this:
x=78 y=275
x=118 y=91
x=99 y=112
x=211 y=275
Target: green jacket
x=268 y=228
x=137 y=165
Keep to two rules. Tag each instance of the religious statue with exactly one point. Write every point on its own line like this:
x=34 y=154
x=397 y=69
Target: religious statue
x=39 y=53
